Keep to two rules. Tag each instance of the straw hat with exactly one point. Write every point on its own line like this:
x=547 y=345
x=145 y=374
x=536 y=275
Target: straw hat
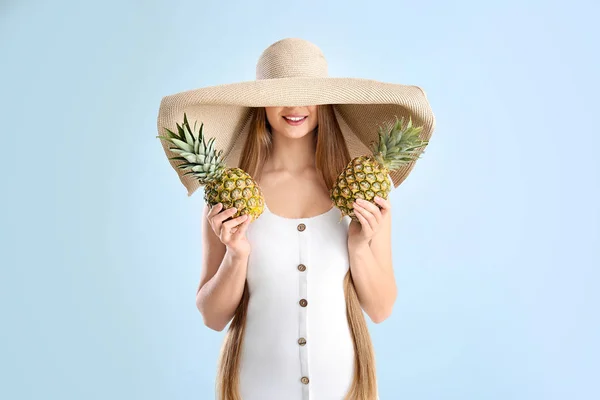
x=293 y=72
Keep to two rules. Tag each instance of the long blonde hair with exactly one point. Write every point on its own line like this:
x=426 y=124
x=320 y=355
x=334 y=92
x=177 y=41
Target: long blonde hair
x=332 y=156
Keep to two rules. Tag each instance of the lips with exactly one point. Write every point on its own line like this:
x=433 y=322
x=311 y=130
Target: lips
x=295 y=120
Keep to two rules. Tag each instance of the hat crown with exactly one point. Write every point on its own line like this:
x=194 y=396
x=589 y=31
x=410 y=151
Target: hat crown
x=291 y=58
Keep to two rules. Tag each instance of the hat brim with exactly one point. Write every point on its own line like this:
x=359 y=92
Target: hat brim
x=361 y=107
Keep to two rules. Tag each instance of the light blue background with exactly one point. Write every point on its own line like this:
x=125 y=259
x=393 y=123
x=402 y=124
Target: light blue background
x=496 y=231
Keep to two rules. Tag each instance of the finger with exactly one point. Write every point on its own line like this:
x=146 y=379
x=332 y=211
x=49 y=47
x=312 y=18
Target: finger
x=243 y=227
x=372 y=208
x=364 y=223
x=223 y=215
x=385 y=204
x=214 y=210
x=368 y=216
x=217 y=220
x=240 y=230
x=229 y=225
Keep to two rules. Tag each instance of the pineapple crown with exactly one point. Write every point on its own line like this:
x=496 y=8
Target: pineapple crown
x=399 y=144
x=199 y=156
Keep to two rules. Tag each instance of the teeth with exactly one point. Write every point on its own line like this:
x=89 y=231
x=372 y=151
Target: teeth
x=294 y=118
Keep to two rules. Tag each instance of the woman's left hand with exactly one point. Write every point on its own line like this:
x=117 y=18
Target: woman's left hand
x=370 y=217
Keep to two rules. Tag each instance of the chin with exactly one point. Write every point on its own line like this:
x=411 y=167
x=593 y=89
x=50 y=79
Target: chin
x=296 y=134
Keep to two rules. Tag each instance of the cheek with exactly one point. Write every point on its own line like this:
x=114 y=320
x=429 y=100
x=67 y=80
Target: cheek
x=314 y=122
x=272 y=118
x=314 y=115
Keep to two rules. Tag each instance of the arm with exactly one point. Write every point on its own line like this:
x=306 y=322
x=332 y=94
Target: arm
x=370 y=252
x=224 y=269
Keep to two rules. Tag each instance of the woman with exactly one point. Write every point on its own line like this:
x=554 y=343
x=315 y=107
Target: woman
x=294 y=283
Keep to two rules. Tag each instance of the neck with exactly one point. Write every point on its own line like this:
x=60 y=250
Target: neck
x=292 y=155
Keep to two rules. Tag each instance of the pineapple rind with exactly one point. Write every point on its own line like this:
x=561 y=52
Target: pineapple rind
x=355 y=183
x=236 y=189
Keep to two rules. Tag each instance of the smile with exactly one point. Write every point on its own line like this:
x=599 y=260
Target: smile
x=295 y=120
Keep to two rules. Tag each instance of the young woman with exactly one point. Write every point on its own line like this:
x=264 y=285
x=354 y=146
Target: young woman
x=293 y=284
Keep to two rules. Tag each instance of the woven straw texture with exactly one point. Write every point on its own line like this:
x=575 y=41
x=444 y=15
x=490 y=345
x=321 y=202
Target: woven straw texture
x=293 y=72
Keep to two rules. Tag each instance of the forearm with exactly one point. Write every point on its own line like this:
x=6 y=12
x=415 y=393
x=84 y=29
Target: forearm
x=375 y=284
x=218 y=299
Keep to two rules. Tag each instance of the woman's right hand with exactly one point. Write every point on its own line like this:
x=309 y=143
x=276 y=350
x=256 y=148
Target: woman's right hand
x=232 y=233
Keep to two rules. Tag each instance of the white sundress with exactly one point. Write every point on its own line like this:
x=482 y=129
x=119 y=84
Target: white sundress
x=297 y=345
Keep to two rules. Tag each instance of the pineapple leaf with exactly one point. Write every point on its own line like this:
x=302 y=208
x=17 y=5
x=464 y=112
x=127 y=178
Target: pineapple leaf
x=180 y=134
x=185 y=120
x=183 y=145
x=398 y=143
x=168 y=139
x=177 y=158
x=188 y=135
x=196 y=155
x=171 y=134
x=202 y=168
x=200 y=134
x=201 y=146
x=186 y=166
x=383 y=148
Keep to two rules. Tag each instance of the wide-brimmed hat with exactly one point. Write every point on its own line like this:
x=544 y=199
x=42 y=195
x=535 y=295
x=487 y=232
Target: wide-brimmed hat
x=293 y=72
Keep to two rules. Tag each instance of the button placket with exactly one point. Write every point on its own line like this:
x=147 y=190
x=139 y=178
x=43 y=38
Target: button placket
x=303 y=309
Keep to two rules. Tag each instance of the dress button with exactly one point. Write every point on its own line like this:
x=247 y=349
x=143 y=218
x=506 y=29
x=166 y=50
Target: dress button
x=301 y=341
x=301 y=267
x=304 y=380
x=301 y=227
x=303 y=303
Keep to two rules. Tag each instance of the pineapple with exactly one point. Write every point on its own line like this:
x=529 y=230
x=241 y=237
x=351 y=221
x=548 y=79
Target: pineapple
x=366 y=176
x=232 y=187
